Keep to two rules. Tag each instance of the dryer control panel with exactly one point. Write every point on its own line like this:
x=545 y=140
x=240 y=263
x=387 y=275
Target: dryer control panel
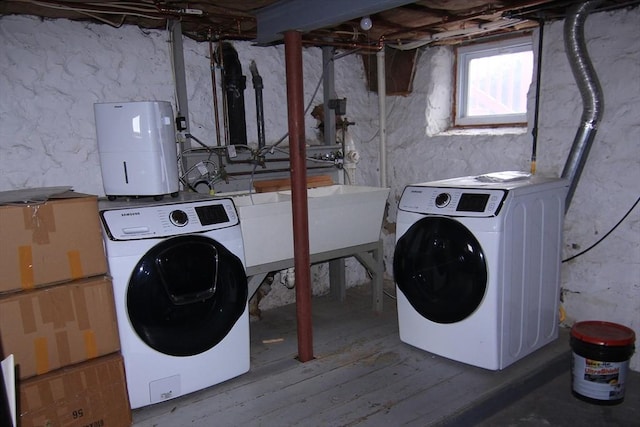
x=159 y=221
x=452 y=201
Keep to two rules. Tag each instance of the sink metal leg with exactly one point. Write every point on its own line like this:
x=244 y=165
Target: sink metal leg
x=374 y=263
x=378 y=278
x=253 y=283
x=337 y=279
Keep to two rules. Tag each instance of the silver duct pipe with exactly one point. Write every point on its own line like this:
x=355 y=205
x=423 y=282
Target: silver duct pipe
x=590 y=90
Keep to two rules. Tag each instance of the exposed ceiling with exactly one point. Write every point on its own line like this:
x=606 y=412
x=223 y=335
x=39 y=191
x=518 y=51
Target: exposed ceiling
x=394 y=22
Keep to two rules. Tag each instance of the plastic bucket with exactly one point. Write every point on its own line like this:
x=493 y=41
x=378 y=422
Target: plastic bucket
x=600 y=363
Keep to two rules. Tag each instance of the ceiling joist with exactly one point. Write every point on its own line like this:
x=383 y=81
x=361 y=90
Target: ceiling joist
x=322 y=22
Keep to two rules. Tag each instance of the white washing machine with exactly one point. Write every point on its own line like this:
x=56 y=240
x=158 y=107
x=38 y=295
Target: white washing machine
x=477 y=266
x=180 y=291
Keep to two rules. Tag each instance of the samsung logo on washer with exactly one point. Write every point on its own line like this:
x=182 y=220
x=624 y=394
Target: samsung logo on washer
x=129 y=213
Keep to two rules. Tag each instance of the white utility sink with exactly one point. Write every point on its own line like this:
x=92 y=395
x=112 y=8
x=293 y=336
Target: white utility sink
x=339 y=216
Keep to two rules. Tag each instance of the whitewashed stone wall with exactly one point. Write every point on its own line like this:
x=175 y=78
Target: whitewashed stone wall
x=51 y=73
x=603 y=284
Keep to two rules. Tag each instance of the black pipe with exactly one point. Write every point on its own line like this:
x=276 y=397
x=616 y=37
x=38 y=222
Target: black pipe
x=534 y=130
x=257 y=87
x=234 y=85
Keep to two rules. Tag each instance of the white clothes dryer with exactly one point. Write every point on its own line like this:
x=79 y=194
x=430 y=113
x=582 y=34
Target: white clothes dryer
x=477 y=266
x=180 y=292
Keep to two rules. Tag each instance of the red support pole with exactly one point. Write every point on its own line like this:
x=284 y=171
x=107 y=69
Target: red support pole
x=297 y=149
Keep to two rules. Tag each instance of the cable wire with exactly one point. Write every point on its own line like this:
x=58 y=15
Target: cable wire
x=605 y=236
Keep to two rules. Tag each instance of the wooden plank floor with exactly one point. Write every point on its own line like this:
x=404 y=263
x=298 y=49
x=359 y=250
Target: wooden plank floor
x=362 y=375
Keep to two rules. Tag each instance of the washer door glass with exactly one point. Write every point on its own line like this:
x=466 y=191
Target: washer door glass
x=440 y=267
x=185 y=294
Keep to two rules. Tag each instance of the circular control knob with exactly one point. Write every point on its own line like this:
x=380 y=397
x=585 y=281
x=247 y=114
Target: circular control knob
x=443 y=200
x=178 y=218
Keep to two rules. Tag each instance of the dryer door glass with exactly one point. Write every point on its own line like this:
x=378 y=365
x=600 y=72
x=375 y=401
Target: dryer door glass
x=440 y=267
x=185 y=295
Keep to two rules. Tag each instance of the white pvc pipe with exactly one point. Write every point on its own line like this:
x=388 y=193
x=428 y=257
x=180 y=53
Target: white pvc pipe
x=382 y=106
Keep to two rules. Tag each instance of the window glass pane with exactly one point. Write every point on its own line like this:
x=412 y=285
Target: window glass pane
x=498 y=84
x=492 y=82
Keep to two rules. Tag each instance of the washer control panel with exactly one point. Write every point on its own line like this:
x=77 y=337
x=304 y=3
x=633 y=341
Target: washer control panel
x=158 y=221
x=452 y=201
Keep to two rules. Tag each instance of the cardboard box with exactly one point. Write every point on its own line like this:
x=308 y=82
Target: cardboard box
x=92 y=393
x=56 y=326
x=50 y=242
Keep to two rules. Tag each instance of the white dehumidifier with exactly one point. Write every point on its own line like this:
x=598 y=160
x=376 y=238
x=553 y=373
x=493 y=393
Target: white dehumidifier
x=137 y=146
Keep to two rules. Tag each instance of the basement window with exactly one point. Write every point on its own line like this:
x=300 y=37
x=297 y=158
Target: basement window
x=492 y=81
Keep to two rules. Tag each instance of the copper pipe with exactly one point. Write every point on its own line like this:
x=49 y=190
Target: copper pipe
x=345 y=45
x=302 y=261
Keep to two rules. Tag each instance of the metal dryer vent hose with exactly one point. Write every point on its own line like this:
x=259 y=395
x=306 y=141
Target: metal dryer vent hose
x=590 y=90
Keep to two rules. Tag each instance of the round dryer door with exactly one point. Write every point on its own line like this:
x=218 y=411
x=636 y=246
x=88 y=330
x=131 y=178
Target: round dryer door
x=186 y=294
x=440 y=267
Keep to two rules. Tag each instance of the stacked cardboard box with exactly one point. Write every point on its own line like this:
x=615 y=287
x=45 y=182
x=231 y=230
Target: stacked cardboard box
x=57 y=314
x=92 y=393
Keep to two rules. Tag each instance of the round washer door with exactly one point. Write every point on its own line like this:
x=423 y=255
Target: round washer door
x=440 y=267
x=185 y=294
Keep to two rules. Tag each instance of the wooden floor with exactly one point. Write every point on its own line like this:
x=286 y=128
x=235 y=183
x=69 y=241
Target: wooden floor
x=361 y=375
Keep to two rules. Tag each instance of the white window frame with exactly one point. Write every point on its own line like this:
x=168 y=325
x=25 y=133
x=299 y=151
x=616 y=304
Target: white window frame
x=467 y=53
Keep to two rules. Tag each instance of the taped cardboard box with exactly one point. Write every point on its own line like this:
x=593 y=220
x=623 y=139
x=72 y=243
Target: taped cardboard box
x=54 y=241
x=49 y=328
x=92 y=393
